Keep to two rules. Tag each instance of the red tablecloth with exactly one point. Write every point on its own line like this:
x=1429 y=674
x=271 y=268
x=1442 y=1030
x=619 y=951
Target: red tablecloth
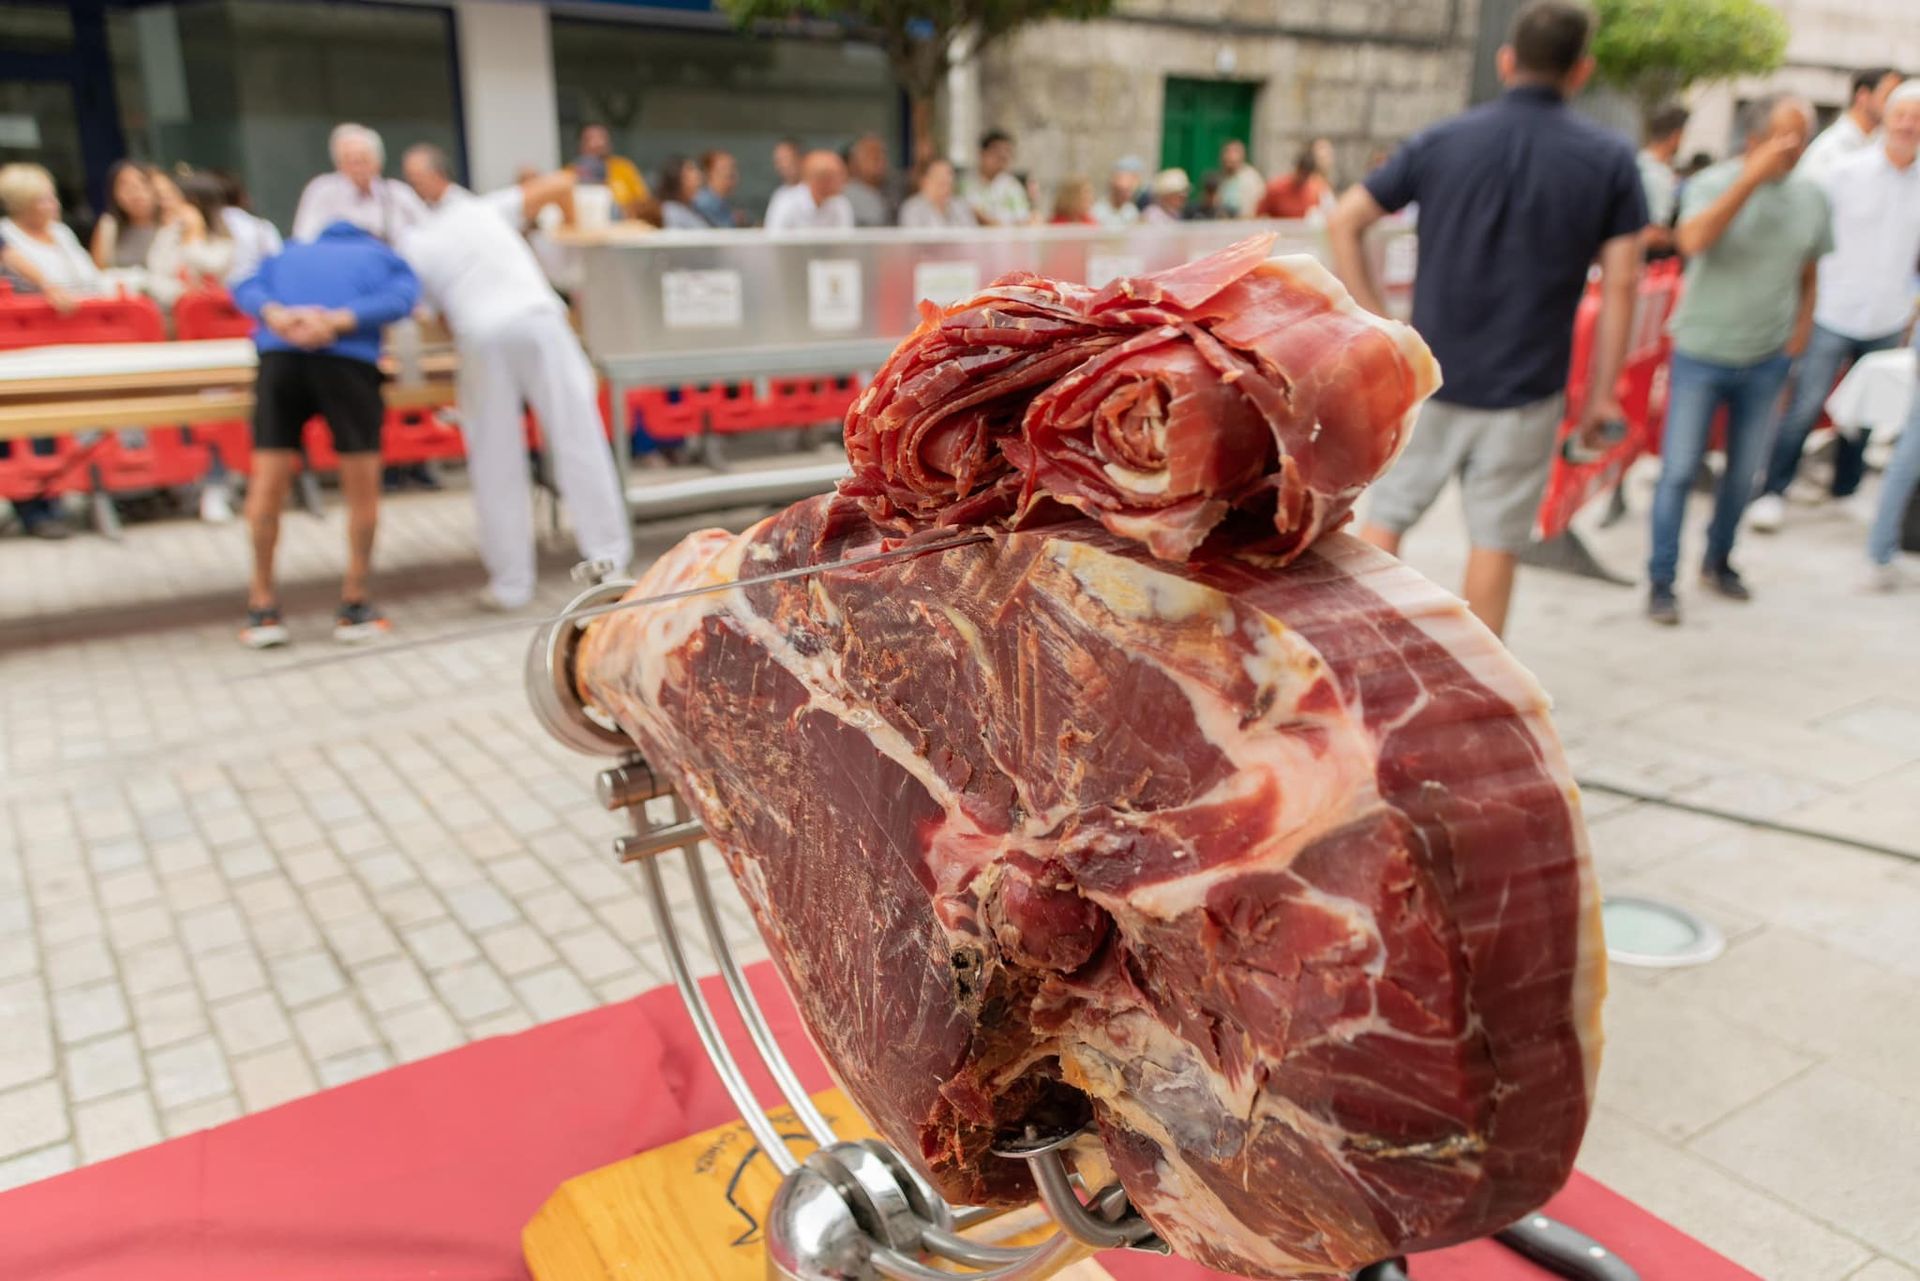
x=430 y=1170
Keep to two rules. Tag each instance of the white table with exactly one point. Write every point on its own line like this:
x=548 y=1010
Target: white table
x=1876 y=394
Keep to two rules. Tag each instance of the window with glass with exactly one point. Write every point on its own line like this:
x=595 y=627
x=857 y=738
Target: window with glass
x=667 y=91
x=255 y=86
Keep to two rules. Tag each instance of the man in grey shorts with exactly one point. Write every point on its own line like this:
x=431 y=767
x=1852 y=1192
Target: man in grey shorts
x=1517 y=197
x=1501 y=456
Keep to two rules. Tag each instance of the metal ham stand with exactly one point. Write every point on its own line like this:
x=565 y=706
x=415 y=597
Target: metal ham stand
x=854 y=1210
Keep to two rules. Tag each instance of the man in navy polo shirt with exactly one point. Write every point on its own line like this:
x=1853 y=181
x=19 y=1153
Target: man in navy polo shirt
x=1517 y=198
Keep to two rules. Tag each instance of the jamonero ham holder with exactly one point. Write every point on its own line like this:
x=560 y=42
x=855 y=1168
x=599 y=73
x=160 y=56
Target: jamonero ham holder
x=1134 y=844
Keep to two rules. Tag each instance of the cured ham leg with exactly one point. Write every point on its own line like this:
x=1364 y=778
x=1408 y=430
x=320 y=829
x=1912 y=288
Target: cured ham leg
x=1275 y=873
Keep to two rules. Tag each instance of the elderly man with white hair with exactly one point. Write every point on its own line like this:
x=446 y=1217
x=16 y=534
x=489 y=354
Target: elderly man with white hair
x=355 y=192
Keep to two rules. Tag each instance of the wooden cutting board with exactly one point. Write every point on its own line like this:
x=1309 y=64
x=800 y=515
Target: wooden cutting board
x=693 y=1210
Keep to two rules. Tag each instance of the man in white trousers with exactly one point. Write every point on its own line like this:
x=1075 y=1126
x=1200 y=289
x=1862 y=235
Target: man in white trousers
x=477 y=270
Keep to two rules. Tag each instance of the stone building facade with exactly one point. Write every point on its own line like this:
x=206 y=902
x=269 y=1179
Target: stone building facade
x=1365 y=73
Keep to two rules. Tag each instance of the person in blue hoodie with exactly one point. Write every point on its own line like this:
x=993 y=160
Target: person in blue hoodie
x=320 y=306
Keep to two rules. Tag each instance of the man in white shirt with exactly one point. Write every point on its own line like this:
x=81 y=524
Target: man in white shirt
x=817 y=202
x=1865 y=298
x=1117 y=207
x=355 y=192
x=1856 y=127
x=1657 y=179
x=515 y=346
x=998 y=197
x=1241 y=185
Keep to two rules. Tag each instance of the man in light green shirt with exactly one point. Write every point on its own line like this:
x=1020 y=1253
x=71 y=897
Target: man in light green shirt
x=1747 y=288
x=1754 y=234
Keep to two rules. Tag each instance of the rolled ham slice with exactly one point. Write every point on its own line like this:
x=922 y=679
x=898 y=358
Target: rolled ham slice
x=1160 y=406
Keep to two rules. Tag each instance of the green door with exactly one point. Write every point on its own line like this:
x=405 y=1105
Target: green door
x=1200 y=115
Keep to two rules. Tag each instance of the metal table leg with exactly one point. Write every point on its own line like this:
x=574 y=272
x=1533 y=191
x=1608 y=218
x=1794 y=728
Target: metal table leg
x=622 y=437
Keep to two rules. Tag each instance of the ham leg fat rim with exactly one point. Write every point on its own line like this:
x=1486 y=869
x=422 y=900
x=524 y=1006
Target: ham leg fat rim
x=1158 y=405
x=1249 y=846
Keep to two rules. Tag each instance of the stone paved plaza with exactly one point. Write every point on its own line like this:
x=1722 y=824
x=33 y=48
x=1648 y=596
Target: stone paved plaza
x=221 y=890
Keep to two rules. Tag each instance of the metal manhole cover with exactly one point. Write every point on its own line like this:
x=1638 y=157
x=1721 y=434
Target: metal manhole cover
x=1642 y=931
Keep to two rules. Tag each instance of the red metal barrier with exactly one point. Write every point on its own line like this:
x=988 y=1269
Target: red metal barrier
x=211 y=313
x=26 y=474
x=1642 y=392
x=31 y=321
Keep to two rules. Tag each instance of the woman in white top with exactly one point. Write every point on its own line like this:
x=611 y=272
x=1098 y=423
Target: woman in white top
x=254 y=238
x=195 y=249
x=34 y=244
x=125 y=231
x=42 y=252
x=933 y=206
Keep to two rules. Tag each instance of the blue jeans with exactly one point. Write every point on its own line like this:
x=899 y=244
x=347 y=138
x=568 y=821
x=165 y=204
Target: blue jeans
x=1827 y=356
x=1698 y=389
x=1896 y=489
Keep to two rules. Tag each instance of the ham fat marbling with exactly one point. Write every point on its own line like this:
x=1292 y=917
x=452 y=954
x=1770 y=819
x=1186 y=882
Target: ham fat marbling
x=1275 y=870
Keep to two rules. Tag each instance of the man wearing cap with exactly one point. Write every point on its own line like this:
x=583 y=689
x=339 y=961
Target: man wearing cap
x=1117 y=208
x=1865 y=295
x=1170 y=190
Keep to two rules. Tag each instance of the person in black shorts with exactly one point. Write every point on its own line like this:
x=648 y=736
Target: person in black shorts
x=321 y=306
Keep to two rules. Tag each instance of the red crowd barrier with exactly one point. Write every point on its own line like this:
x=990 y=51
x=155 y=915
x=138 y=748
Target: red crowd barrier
x=31 y=321
x=170 y=455
x=1642 y=392
x=71 y=466
x=208 y=314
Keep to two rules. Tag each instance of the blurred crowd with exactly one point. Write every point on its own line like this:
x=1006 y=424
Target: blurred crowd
x=1799 y=254
x=859 y=186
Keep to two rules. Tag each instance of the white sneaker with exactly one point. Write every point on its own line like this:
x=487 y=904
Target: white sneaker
x=490 y=602
x=1805 y=493
x=216 y=504
x=1890 y=577
x=1766 y=513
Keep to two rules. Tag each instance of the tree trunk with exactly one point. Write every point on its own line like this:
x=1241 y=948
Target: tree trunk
x=925 y=145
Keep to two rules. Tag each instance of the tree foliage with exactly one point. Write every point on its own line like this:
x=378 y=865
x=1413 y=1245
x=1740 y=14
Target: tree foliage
x=1655 y=48
x=918 y=35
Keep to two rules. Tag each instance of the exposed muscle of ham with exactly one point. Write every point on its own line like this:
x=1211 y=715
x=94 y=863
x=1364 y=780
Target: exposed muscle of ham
x=1275 y=871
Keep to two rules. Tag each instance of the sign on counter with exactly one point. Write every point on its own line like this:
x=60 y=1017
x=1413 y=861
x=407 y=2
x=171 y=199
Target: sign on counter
x=945 y=282
x=833 y=294
x=701 y=299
